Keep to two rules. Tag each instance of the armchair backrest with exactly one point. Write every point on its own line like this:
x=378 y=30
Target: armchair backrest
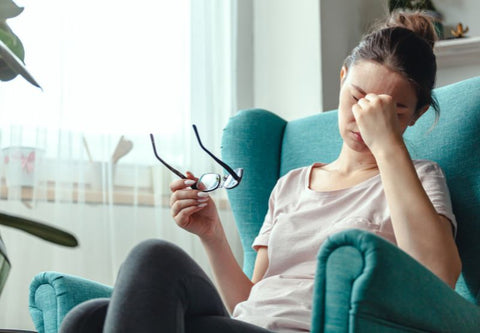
x=267 y=147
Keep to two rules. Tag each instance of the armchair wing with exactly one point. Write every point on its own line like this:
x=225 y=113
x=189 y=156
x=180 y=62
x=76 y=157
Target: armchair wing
x=252 y=140
x=53 y=294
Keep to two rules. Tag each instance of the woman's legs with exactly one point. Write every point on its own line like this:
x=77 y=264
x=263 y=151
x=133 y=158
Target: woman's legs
x=160 y=288
x=220 y=324
x=87 y=317
x=157 y=287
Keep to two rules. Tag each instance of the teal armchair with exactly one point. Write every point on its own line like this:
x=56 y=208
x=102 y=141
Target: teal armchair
x=363 y=283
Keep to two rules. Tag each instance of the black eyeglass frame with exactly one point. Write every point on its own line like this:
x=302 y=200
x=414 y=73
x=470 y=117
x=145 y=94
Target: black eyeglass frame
x=237 y=175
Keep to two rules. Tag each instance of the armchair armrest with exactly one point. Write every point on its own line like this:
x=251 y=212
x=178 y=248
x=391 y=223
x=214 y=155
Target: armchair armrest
x=366 y=284
x=53 y=295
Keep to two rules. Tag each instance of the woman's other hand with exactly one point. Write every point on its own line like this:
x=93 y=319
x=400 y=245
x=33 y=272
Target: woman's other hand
x=193 y=210
x=378 y=122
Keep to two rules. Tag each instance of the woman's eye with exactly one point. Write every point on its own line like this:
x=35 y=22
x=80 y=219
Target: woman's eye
x=356 y=99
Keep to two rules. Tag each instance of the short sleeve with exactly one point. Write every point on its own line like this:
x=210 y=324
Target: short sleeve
x=435 y=185
x=269 y=221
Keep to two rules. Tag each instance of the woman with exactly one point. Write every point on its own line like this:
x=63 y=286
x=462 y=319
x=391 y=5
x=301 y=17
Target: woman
x=386 y=85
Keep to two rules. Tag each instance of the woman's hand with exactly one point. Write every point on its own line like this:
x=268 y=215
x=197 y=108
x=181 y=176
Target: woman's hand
x=193 y=210
x=378 y=123
x=191 y=213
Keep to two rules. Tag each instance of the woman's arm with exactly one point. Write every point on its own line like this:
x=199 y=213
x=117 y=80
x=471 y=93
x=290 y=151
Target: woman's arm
x=196 y=212
x=261 y=264
x=233 y=284
x=419 y=229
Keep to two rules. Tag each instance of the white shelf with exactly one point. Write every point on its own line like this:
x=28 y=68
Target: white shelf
x=458 y=52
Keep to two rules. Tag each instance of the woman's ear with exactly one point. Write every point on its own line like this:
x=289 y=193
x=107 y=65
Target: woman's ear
x=420 y=113
x=343 y=74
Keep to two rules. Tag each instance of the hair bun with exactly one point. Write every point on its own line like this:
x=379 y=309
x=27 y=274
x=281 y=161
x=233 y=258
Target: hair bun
x=419 y=22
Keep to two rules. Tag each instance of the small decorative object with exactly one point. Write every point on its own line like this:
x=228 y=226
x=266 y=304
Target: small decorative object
x=20 y=165
x=123 y=148
x=459 y=32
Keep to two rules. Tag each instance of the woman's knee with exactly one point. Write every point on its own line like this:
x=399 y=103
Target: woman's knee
x=160 y=256
x=87 y=317
x=155 y=251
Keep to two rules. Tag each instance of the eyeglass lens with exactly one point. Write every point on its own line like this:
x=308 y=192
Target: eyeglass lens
x=211 y=181
x=230 y=181
x=208 y=182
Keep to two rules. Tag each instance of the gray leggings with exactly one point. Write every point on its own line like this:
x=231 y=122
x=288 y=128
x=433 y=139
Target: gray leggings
x=159 y=289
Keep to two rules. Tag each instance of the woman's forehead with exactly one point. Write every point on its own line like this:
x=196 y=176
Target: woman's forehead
x=371 y=77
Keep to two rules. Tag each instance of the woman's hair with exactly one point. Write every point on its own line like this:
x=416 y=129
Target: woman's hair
x=404 y=43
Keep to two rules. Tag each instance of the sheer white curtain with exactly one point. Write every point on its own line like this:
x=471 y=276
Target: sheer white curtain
x=112 y=72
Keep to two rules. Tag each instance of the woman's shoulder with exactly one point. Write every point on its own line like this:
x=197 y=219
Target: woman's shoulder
x=295 y=176
x=297 y=171
x=301 y=172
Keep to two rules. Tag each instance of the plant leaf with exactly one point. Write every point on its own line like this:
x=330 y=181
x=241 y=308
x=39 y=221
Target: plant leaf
x=39 y=229
x=9 y=9
x=16 y=64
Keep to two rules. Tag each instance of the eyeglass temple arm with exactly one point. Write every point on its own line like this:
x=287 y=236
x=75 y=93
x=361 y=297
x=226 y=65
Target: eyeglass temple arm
x=175 y=171
x=219 y=161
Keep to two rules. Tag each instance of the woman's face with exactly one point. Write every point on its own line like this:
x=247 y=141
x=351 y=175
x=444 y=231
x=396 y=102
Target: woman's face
x=368 y=77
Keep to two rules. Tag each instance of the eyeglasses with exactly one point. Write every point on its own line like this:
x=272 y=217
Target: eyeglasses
x=208 y=182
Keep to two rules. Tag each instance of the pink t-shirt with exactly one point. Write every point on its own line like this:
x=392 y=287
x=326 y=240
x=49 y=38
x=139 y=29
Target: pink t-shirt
x=299 y=220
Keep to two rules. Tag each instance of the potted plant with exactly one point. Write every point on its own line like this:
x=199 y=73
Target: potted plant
x=426 y=6
x=11 y=65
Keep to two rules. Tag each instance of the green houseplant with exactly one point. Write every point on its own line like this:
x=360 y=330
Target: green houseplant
x=12 y=52
x=422 y=5
x=12 y=55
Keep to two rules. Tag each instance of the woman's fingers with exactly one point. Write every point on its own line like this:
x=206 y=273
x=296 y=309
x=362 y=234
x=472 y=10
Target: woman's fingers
x=182 y=210
x=179 y=206
x=356 y=109
x=184 y=194
x=181 y=184
x=191 y=176
x=185 y=202
x=182 y=218
x=375 y=102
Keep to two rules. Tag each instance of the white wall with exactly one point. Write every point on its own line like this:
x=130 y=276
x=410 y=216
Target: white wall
x=245 y=58
x=457 y=59
x=287 y=57
x=343 y=23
